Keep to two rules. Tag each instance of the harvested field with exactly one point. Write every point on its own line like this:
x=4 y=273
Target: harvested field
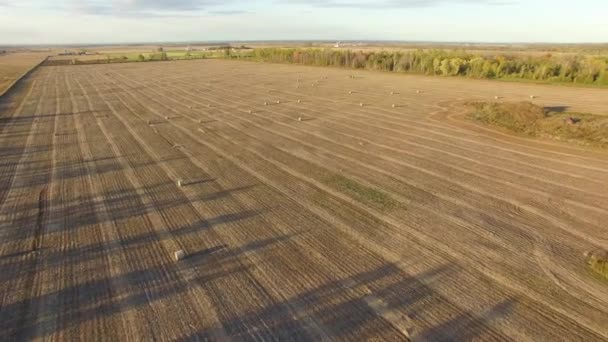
x=300 y=220
x=13 y=65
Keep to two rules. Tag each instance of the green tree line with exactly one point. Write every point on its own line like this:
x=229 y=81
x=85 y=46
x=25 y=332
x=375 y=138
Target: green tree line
x=561 y=68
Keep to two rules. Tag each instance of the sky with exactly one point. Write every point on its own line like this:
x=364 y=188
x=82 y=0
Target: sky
x=123 y=21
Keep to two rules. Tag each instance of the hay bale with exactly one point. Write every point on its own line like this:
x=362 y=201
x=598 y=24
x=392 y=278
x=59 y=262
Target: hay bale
x=278 y=101
x=179 y=255
x=350 y=92
x=299 y=118
x=598 y=262
x=361 y=104
x=299 y=101
x=533 y=96
x=418 y=91
x=180 y=183
x=394 y=105
x=496 y=97
x=265 y=103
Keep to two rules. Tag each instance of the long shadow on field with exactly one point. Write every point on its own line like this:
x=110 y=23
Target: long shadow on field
x=28 y=118
x=467 y=327
x=19 y=151
x=63 y=172
x=12 y=265
x=378 y=304
x=106 y=296
x=123 y=204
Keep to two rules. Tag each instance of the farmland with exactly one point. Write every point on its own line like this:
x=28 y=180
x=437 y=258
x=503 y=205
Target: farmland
x=315 y=203
x=13 y=65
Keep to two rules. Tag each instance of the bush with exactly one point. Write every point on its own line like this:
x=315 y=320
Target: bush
x=530 y=119
x=519 y=117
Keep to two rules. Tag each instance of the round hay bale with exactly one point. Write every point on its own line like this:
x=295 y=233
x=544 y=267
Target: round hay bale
x=179 y=255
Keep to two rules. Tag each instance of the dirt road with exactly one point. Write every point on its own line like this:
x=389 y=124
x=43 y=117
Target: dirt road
x=314 y=206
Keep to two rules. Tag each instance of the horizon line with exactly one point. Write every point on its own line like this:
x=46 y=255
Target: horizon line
x=227 y=41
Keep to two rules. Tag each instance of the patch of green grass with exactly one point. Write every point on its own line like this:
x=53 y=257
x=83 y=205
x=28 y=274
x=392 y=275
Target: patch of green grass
x=517 y=117
x=132 y=55
x=359 y=192
x=598 y=263
x=532 y=120
x=549 y=82
x=146 y=57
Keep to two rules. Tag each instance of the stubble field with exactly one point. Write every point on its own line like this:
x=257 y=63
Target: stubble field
x=326 y=213
x=14 y=65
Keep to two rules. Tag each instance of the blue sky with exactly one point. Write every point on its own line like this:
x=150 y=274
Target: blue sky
x=116 y=21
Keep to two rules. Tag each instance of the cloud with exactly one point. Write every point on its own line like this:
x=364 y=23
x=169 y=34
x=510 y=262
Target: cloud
x=393 y=4
x=228 y=12
x=181 y=8
x=137 y=8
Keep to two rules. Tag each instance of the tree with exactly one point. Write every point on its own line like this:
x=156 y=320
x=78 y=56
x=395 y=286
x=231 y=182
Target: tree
x=574 y=68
